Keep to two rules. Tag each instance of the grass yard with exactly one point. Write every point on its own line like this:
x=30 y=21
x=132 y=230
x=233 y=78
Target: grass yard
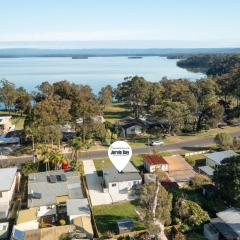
x=107 y=215
x=116 y=111
x=196 y=160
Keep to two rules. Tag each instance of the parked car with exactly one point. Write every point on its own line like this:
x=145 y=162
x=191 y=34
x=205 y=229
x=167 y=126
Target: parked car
x=156 y=143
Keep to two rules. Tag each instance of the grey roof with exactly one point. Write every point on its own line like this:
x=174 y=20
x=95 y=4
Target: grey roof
x=231 y=217
x=208 y=170
x=129 y=173
x=78 y=207
x=219 y=156
x=7 y=176
x=38 y=183
x=125 y=224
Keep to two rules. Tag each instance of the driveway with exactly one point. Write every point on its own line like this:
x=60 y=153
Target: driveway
x=98 y=197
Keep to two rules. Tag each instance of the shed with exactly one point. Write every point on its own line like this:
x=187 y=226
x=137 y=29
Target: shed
x=125 y=226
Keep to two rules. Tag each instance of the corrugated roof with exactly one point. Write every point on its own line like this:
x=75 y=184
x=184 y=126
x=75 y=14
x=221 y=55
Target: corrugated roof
x=7 y=176
x=112 y=175
x=231 y=217
x=154 y=159
x=38 y=183
x=219 y=156
x=208 y=170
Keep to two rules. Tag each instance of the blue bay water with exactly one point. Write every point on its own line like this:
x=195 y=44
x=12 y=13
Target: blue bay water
x=95 y=71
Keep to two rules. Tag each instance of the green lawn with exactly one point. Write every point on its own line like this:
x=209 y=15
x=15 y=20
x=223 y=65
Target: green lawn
x=116 y=111
x=107 y=215
x=196 y=160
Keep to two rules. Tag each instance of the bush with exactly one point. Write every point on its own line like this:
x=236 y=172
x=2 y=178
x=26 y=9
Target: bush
x=224 y=140
x=62 y=222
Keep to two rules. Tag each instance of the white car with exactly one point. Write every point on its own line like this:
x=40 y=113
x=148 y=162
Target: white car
x=156 y=143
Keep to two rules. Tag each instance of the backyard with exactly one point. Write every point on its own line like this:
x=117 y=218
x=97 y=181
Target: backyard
x=107 y=215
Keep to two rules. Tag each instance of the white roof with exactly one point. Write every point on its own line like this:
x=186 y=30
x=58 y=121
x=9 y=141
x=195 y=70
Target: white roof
x=217 y=157
x=78 y=207
x=5 y=117
x=206 y=169
x=231 y=217
x=7 y=176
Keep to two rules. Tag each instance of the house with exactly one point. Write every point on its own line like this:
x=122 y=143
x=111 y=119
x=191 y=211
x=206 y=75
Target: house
x=215 y=159
x=79 y=214
x=117 y=183
x=132 y=127
x=179 y=170
x=8 y=185
x=125 y=226
x=49 y=192
x=6 y=124
x=225 y=226
x=155 y=162
x=53 y=196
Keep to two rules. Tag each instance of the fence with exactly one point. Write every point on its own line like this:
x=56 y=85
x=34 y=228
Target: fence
x=196 y=153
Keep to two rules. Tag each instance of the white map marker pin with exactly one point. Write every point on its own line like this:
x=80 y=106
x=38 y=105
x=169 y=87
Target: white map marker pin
x=120 y=154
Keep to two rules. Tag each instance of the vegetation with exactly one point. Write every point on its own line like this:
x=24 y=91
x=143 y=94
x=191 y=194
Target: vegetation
x=224 y=140
x=107 y=215
x=189 y=215
x=227 y=179
x=155 y=206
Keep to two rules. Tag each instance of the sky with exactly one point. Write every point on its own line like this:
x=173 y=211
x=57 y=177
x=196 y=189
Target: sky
x=122 y=23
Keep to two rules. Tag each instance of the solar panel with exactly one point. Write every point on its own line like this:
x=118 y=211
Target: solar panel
x=36 y=195
x=52 y=179
x=63 y=177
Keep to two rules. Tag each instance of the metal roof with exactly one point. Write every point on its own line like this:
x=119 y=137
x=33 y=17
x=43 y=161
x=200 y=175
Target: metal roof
x=7 y=176
x=78 y=207
x=129 y=173
x=154 y=159
x=217 y=157
x=208 y=170
x=38 y=183
x=231 y=217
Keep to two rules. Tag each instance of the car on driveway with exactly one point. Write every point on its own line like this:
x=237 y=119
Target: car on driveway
x=156 y=143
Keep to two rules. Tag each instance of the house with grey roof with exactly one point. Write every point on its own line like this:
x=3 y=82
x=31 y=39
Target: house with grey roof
x=8 y=183
x=116 y=182
x=214 y=159
x=47 y=190
x=225 y=226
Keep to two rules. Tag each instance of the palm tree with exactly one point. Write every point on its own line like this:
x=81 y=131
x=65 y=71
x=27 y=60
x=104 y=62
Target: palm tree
x=76 y=145
x=57 y=158
x=43 y=153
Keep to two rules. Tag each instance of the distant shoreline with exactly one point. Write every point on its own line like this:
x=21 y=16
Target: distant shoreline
x=170 y=53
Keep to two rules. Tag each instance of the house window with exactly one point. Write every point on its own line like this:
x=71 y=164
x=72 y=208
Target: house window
x=114 y=184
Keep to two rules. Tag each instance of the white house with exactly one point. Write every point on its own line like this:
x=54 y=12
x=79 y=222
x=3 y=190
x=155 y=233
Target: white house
x=132 y=127
x=155 y=162
x=121 y=182
x=215 y=159
x=9 y=179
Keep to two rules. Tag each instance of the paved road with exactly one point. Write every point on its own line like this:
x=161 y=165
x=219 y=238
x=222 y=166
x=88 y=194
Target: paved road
x=186 y=145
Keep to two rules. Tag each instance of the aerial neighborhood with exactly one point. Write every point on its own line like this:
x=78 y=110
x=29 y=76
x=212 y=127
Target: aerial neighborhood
x=181 y=182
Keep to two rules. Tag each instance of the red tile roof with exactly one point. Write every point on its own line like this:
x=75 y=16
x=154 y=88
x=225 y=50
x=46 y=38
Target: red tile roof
x=154 y=159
